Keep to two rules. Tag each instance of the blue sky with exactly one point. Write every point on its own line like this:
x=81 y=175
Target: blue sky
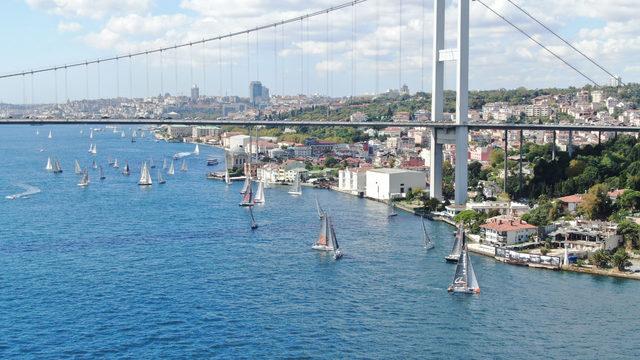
x=39 y=33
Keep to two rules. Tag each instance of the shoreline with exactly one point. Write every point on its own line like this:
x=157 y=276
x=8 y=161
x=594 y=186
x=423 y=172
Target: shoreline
x=489 y=251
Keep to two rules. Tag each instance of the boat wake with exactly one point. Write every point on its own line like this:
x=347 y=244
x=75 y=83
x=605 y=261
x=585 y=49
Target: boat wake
x=28 y=191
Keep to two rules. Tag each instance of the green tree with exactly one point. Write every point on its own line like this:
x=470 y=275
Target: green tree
x=600 y=258
x=471 y=220
x=630 y=232
x=630 y=200
x=596 y=204
x=620 y=259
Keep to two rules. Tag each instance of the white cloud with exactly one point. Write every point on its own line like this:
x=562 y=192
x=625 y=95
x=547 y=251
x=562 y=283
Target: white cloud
x=64 y=26
x=331 y=66
x=94 y=9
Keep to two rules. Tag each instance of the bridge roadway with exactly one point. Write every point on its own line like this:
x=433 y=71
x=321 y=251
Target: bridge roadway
x=442 y=125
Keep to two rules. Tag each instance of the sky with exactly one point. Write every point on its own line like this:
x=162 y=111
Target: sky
x=390 y=38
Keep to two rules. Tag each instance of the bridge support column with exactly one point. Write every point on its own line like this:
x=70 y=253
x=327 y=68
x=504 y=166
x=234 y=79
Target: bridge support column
x=435 y=174
x=506 y=160
x=462 y=104
x=520 y=178
x=462 y=165
x=570 y=144
x=599 y=137
x=553 y=146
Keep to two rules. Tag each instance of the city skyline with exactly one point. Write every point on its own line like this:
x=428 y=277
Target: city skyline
x=73 y=33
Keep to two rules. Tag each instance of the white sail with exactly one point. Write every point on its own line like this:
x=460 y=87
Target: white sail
x=184 y=167
x=464 y=279
x=161 y=179
x=84 y=181
x=91 y=134
x=327 y=239
x=171 y=169
x=145 y=177
x=295 y=187
x=428 y=243
x=50 y=135
x=49 y=166
x=56 y=167
x=164 y=164
x=126 y=170
x=122 y=134
x=196 y=151
x=259 y=199
x=77 y=169
x=94 y=150
x=94 y=164
x=115 y=164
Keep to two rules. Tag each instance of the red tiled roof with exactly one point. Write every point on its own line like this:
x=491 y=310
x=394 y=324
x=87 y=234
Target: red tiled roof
x=507 y=225
x=577 y=198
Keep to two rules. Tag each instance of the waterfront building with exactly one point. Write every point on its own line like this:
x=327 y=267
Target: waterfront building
x=179 y=131
x=385 y=184
x=353 y=180
x=586 y=235
x=506 y=230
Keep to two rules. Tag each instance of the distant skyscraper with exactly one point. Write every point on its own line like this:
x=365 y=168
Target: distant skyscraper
x=258 y=94
x=195 y=93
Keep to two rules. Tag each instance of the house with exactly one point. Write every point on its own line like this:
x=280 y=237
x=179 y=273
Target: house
x=586 y=235
x=506 y=230
x=386 y=183
x=570 y=203
x=353 y=180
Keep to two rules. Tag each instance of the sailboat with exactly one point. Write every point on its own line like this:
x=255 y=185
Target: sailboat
x=456 y=250
x=161 y=179
x=142 y=134
x=464 y=280
x=295 y=187
x=151 y=164
x=196 y=151
x=247 y=198
x=102 y=177
x=57 y=169
x=94 y=149
x=172 y=170
x=84 y=181
x=164 y=164
x=246 y=186
x=259 y=199
x=49 y=166
x=254 y=224
x=77 y=169
x=145 y=177
x=428 y=243
x=327 y=240
x=91 y=134
x=94 y=164
x=115 y=164
x=37 y=132
x=133 y=136
x=50 y=135
x=126 y=171
x=122 y=134
x=319 y=209
x=184 y=167
x=109 y=161
x=392 y=209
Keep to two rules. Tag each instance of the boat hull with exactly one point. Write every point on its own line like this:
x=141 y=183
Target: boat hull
x=463 y=290
x=295 y=192
x=322 y=248
x=452 y=259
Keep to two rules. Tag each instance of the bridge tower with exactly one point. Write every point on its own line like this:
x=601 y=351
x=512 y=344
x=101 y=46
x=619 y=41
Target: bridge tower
x=459 y=134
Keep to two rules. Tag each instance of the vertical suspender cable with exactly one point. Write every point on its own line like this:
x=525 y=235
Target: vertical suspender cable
x=98 y=71
x=66 y=85
x=86 y=77
x=220 y=67
x=147 y=73
x=257 y=56
x=284 y=68
x=301 y=56
x=191 y=66
x=175 y=70
x=204 y=68
x=377 y=77
x=422 y=48
x=275 y=57
x=55 y=86
x=400 y=46
x=231 y=65
x=130 y=77
x=117 y=78
x=161 y=74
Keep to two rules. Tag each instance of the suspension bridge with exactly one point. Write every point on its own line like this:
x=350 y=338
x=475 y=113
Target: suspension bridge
x=295 y=33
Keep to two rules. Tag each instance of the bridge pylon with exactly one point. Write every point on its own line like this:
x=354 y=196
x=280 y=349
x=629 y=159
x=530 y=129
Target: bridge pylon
x=458 y=135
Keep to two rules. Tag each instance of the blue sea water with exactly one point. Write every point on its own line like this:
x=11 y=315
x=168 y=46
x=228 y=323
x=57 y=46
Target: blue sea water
x=174 y=271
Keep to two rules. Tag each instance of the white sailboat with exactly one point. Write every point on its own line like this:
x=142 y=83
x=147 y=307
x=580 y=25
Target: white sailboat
x=254 y=224
x=428 y=243
x=184 y=167
x=122 y=134
x=115 y=164
x=50 y=135
x=84 y=181
x=172 y=169
x=94 y=164
x=161 y=179
x=76 y=168
x=456 y=250
x=296 y=189
x=57 y=169
x=102 y=177
x=37 y=132
x=164 y=164
x=126 y=171
x=94 y=150
x=327 y=240
x=319 y=210
x=247 y=199
x=49 y=166
x=145 y=177
x=196 y=151
x=259 y=199
x=464 y=280
x=91 y=134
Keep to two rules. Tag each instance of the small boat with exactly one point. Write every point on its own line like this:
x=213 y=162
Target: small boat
x=172 y=170
x=91 y=134
x=37 y=132
x=319 y=210
x=296 y=189
x=50 y=135
x=76 y=167
x=94 y=149
x=180 y=155
x=126 y=171
x=115 y=164
x=456 y=250
x=49 y=166
x=102 y=177
x=57 y=169
x=254 y=224
x=141 y=134
x=109 y=161
x=196 y=151
x=327 y=240
x=184 y=167
x=212 y=162
x=247 y=199
x=151 y=164
x=246 y=186
x=392 y=209
x=145 y=177
x=161 y=179
x=94 y=164
x=428 y=243
x=464 y=280
x=122 y=134
x=84 y=181
x=259 y=199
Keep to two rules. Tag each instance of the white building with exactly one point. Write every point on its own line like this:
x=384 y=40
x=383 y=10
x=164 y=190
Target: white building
x=352 y=180
x=383 y=184
x=506 y=230
x=179 y=131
